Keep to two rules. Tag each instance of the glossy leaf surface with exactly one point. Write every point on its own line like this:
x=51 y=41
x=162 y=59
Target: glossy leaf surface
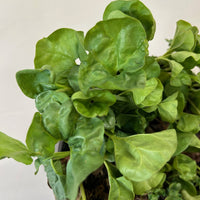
x=135 y=9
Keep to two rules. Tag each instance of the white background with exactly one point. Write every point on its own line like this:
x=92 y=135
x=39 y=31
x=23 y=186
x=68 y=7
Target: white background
x=22 y=24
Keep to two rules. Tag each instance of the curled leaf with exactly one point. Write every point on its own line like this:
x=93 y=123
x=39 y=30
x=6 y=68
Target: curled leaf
x=96 y=103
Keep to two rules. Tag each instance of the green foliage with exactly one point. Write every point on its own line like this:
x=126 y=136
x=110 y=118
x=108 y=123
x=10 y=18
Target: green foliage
x=138 y=115
x=13 y=148
x=86 y=153
x=145 y=154
x=120 y=187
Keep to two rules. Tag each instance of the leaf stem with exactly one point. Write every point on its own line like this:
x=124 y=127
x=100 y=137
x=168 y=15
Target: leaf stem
x=120 y=98
x=108 y=134
x=82 y=192
x=59 y=155
x=162 y=58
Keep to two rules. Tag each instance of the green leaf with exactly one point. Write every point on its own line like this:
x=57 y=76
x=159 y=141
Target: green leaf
x=196 y=77
x=120 y=187
x=87 y=153
x=155 y=97
x=33 y=82
x=176 y=68
x=43 y=100
x=179 y=76
x=131 y=123
x=186 y=141
x=138 y=157
x=116 y=47
x=184 y=38
x=58 y=114
x=194 y=102
x=143 y=187
x=12 y=148
x=149 y=96
x=96 y=103
x=188 y=186
x=174 y=191
x=109 y=120
x=168 y=108
x=134 y=9
x=183 y=78
x=187 y=196
x=183 y=141
x=187 y=59
x=60 y=50
x=195 y=142
x=151 y=68
x=56 y=178
x=38 y=140
x=73 y=78
x=189 y=123
x=185 y=166
x=95 y=75
x=58 y=53
x=139 y=94
x=197 y=48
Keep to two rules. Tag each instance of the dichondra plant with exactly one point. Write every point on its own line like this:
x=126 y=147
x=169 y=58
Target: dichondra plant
x=136 y=114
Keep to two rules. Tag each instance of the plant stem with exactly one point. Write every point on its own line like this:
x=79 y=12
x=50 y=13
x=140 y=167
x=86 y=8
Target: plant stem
x=82 y=192
x=120 y=98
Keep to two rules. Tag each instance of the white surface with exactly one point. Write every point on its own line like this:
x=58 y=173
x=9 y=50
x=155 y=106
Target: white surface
x=22 y=24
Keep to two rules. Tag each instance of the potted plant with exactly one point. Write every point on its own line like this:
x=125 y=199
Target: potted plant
x=128 y=122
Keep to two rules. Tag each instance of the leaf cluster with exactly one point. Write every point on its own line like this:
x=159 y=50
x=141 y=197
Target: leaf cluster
x=115 y=105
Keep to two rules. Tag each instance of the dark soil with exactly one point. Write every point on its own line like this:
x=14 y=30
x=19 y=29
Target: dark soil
x=96 y=185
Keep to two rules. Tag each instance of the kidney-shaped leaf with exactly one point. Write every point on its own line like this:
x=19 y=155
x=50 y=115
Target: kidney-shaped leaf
x=184 y=38
x=33 y=82
x=118 y=47
x=12 y=148
x=139 y=157
x=58 y=53
x=60 y=50
x=135 y=9
x=87 y=153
